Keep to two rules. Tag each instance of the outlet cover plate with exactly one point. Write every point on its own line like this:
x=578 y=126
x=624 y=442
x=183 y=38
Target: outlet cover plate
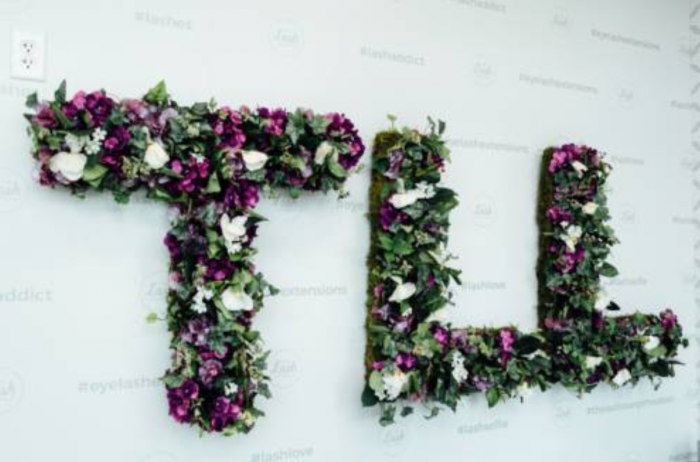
x=28 y=55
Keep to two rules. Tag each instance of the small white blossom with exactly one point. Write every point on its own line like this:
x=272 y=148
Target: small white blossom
x=651 y=343
x=231 y=389
x=403 y=199
x=524 y=390
x=579 y=167
x=94 y=145
x=394 y=383
x=590 y=208
x=622 y=377
x=322 y=151
x=572 y=237
x=593 y=361
x=75 y=143
x=459 y=372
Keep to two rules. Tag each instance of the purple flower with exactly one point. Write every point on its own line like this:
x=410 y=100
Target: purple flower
x=441 y=335
x=99 y=107
x=558 y=215
x=242 y=194
x=556 y=325
x=388 y=215
x=227 y=125
x=180 y=400
x=406 y=361
x=173 y=246
x=481 y=384
x=395 y=160
x=117 y=140
x=668 y=319
x=559 y=159
x=197 y=331
x=377 y=365
x=210 y=370
x=45 y=117
x=506 y=341
x=571 y=259
x=223 y=413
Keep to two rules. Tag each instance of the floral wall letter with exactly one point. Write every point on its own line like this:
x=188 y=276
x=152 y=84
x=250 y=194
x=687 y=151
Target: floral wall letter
x=210 y=165
x=415 y=356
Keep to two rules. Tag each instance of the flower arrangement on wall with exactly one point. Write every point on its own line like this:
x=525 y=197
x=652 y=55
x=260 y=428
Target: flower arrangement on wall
x=416 y=356
x=210 y=164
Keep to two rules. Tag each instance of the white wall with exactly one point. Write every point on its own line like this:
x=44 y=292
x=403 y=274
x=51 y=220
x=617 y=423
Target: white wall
x=78 y=364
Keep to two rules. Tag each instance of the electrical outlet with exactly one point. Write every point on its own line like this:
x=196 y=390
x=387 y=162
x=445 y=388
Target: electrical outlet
x=28 y=56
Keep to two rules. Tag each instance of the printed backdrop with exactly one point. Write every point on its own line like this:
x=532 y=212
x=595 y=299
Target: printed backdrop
x=78 y=363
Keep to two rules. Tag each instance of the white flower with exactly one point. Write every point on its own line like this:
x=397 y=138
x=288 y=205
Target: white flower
x=622 y=377
x=156 y=157
x=70 y=165
x=405 y=198
x=94 y=145
x=402 y=292
x=254 y=160
x=236 y=300
x=602 y=301
x=394 y=384
x=572 y=236
x=593 y=361
x=75 y=143
x=579 y=167
x=524 y=390
x=440 y=316
x=459 y=372
x=425 y=190
x=322 y=151
x=234 y=228
x=202 y=294
x=590 y=208
x=231 y=389
x=651 y=343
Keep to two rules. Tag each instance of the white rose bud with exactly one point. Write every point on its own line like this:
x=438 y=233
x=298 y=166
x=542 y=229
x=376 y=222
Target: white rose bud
x=254 y=160
x=322 y=151
x=622 y=377
x=590 y=208
x=593 y=361
x=236 y=300
x=651 y=343
x=156 y=157
x=402 y=292
x=70 y=165
x=234 y=228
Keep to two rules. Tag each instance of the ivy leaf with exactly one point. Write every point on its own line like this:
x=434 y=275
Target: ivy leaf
x=608 y=270
x=32 y=100
x=213 y=185
x=335 y=167
x=157 y=95
x=173 y=381
x=376 y=384
x=369 y=398
x=94 y=174
x=527 y=344
x=492 y=397
x=60 y=94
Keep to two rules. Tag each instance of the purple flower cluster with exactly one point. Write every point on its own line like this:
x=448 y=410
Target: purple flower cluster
x=181 y=400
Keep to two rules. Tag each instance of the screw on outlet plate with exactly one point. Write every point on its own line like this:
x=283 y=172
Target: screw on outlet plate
x=28 y=55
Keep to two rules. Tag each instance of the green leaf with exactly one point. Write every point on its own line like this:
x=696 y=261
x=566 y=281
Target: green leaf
x=152 y=318
x=376 y=383
x=157 y=95
x=32 y=100
x=369 y=398
x=94 y=174
x=173 y=381
x=213 y=185
x=335 y=167
x=527 y=344
x=608 y=270
x=60 y=93
x=492 y=397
